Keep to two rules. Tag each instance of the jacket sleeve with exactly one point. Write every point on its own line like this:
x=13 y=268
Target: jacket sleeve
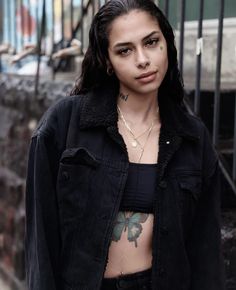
x=204 y=245
x=42 y=237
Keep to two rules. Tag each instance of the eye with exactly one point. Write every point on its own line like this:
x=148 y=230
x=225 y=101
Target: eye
x=152 y=42
x=124 y=51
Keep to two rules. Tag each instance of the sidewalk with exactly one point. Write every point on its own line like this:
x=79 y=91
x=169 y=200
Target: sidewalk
x=3 y=286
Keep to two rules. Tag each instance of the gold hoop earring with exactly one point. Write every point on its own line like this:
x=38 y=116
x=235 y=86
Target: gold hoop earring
x=110 y=71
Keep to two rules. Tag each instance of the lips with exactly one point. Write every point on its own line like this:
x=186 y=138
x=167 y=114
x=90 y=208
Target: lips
x=146 y=75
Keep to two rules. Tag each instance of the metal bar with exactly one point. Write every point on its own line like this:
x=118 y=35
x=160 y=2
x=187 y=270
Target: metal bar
x=22 y=23
x=53 y=23
x=1 y=29
x=28 y=20
x=234 y=152
x=9 y=21
x=15 y=25
x=227 y=176
x=1 y=19
x=93 y=7
x=37 y=21
x=42 y=33
x=218 y=76
x=199 y=60
x=181 y=43
x=71 y=16
x=53 y=37
x=166 y=8
x=82 y=25
x=62 y=22
x=3 y=6
x=43 y=42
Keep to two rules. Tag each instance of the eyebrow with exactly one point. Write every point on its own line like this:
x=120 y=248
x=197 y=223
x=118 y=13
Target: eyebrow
x=128 y=43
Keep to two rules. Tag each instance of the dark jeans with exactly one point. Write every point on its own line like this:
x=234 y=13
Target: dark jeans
x=136 y=281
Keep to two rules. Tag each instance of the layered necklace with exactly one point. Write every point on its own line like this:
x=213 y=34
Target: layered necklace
x=135 y=143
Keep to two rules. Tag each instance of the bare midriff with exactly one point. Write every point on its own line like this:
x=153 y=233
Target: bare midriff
x=130 y=250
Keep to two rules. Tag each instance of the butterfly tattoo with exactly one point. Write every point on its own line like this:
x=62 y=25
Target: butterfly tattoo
x=132 y=223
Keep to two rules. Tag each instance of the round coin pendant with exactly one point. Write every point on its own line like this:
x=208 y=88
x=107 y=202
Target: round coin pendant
x=134 y=144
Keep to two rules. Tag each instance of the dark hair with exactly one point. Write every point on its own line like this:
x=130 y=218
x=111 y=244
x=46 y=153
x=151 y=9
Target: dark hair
x=94 y=66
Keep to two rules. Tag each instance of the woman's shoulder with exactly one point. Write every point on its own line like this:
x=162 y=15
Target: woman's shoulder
x=185 y=122
x=197 y=124
x=58 y=114
x=209 y=154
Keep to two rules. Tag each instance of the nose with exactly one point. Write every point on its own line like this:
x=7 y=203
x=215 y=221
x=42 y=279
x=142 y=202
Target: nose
x=142 y=59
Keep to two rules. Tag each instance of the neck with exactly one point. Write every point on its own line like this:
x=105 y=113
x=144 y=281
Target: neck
x=139 y=109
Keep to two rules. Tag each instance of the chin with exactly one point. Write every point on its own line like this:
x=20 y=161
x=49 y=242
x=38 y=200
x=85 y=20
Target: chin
x=151 y=88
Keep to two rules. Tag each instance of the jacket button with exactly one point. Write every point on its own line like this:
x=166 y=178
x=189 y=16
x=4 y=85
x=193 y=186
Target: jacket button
x=65 y=175
x=163 y=184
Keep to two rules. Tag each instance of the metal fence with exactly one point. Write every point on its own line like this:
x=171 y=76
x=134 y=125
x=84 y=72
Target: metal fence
x=228 y=171
x=51 y=28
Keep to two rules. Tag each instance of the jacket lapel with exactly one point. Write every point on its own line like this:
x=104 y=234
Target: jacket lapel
x=99 y=109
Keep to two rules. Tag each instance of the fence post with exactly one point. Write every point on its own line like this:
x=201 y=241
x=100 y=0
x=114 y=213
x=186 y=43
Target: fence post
x=62 y=23
x=72 y=17
x=166 y=8
x=181 y=46
x=216 y=116
x=234 y=150
x=42 y=33
x=82 y=25
x=199 y=59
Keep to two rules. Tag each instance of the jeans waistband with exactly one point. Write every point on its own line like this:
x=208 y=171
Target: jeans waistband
x=129 y=281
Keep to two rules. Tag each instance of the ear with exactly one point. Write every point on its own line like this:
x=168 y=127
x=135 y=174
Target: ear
x=108 y=63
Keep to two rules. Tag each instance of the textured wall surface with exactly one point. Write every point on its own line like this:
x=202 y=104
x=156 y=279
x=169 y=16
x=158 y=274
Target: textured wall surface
x=209 y=54
x=20 y=110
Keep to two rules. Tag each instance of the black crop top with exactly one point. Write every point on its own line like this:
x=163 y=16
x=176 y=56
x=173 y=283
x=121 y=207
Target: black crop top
x=140 y=188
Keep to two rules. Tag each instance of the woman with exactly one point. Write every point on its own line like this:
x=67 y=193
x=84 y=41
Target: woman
x=123 y=187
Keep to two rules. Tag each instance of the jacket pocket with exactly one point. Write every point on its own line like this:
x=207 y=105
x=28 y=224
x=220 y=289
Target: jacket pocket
x=189 y=189
x=75 y=175
x=80 y=156
x=190 y=184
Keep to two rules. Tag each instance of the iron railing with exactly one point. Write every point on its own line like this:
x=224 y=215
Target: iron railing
x=45 y=11
x=229 y=174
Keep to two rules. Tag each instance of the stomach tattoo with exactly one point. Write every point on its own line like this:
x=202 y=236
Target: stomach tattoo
x=130 y=222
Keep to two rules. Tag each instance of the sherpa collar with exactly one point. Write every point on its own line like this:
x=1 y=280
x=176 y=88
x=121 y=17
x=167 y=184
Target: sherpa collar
x=100 y=110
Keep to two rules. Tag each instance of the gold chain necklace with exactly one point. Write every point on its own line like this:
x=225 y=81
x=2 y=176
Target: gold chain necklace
x=135 y=141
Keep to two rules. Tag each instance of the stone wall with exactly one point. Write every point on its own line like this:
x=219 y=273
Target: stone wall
x=20 y=109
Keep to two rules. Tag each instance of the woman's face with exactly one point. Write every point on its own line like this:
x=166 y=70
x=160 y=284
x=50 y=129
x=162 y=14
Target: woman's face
x=137 y=52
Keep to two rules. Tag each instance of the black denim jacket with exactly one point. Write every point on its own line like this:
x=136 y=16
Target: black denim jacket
x=77 y=170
